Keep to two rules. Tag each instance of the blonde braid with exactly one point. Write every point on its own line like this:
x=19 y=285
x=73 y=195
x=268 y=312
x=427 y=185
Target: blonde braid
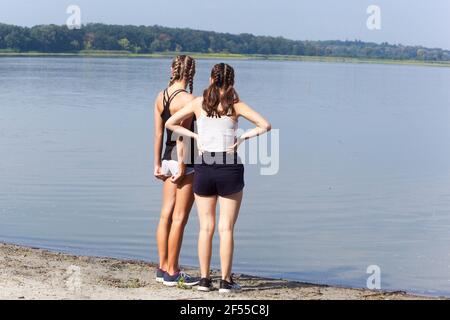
x=176 y=69
x=183 y=68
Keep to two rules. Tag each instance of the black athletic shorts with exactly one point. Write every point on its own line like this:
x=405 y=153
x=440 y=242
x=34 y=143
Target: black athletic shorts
x=218 y=173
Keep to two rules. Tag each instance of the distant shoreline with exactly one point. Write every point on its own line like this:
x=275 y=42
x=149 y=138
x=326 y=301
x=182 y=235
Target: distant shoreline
x=31 y=273
x=125 y=54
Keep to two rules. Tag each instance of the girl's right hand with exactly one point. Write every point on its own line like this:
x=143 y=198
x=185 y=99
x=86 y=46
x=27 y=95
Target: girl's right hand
x=158 y=174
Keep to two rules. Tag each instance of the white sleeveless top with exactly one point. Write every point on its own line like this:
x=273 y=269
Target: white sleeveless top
x=216 y=134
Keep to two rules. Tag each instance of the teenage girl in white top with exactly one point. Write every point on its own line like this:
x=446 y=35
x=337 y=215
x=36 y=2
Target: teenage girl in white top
x=219 y=176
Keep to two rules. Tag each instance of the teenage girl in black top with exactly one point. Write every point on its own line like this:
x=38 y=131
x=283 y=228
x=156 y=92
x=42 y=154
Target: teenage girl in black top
x=178 y=177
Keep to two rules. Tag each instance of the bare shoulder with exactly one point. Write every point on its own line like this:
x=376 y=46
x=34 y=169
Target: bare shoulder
x=187 y=97
x=198 y=101
x=160 y=95
x=241 y=108
x=181 y=101
x=158 y=101
x=196 y=106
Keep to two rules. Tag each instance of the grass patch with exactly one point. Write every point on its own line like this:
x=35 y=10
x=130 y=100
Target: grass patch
x=181 y=285
x=224 y=56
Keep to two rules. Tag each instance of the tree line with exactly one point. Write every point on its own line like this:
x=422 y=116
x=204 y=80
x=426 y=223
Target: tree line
x=154 y=39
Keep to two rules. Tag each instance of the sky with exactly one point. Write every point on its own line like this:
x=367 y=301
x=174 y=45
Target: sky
x=409 y=22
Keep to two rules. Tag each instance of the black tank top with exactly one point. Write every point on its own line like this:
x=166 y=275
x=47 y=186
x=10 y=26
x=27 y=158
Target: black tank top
x=171 y=144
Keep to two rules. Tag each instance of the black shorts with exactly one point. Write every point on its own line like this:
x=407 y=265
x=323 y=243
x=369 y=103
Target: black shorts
x=218 y=174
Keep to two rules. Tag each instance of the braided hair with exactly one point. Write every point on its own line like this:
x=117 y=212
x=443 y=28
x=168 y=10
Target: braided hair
x=183 y=68
x=221 y=91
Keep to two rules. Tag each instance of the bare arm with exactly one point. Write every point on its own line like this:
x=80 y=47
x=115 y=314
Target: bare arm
x=185 y=113
x=181 y=153
x=262 y=125
x=181 y=143
x=157 y=140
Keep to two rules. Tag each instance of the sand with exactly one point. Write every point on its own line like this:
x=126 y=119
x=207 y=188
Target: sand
x=29 y=273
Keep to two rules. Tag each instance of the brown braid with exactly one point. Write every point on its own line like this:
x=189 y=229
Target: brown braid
x=183 y=68
x=189 y=73
x=221 y=91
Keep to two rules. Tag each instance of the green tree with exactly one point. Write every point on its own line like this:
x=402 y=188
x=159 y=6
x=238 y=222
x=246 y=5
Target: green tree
x=124 y=43
x=145 y=39
x=89 y=39
x=75 y=45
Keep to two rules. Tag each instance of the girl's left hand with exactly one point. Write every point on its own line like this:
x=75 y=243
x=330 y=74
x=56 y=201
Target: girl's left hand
x=235 y=146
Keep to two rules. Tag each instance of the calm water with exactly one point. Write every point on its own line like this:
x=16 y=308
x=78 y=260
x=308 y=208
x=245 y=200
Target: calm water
x=364 y=176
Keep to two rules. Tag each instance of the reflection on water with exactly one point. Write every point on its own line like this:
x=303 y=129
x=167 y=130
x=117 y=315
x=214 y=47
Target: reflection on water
x=364 y=176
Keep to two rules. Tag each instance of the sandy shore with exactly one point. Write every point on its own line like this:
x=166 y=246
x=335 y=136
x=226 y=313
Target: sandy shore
x=27 y=273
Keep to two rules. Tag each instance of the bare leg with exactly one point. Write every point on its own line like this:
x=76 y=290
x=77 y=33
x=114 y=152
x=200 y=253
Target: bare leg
x=165 y=221
x=183 y=206
x=206 y=207
x=229 y=211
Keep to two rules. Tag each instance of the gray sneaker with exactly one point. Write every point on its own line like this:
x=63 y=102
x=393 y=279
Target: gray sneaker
x=160 y=275
x=187 y=280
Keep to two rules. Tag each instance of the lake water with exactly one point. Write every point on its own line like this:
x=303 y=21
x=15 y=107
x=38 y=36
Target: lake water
x=364 y=173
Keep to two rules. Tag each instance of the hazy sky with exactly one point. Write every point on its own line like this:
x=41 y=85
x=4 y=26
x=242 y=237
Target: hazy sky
x=418 y=22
